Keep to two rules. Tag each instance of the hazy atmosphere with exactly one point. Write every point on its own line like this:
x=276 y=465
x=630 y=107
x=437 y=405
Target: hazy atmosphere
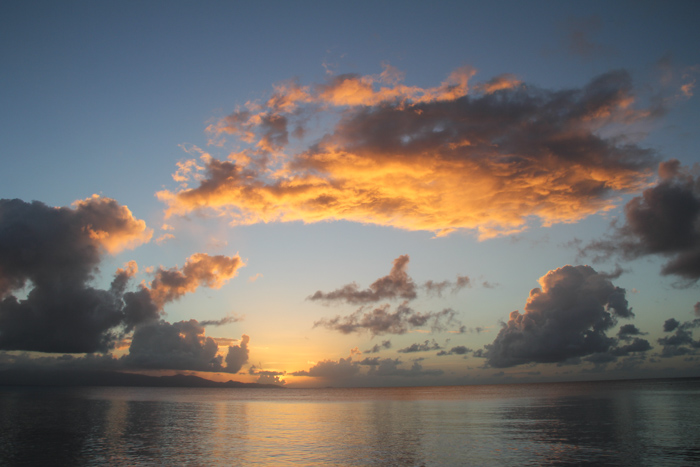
x=317 y=194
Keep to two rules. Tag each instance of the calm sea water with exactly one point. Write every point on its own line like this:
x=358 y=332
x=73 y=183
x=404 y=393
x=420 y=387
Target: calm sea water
x=633 y=423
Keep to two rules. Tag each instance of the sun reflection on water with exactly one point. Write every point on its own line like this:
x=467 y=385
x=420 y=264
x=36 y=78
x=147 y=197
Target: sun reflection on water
x=631 y=423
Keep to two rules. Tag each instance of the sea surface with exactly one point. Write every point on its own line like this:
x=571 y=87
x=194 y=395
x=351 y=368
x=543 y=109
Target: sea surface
x=630 y=423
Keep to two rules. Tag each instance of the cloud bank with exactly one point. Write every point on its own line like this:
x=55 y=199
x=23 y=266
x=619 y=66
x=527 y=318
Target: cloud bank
x=181 y=346
x=369 y=371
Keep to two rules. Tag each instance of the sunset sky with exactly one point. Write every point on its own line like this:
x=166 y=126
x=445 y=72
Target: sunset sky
x=351 y=194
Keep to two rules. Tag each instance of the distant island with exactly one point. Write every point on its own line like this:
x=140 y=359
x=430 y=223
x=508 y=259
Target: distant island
x=66 y=378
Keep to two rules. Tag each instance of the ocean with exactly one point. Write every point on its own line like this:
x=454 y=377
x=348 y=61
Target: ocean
x=628 y=423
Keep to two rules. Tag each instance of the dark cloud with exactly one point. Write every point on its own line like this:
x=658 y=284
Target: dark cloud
x=391 y=367
x=424 y=347
x=55 y=252
x=681 y=342
x=637 y=345
x=220 y=322
x=671 y=324
x=458 y=350
x=176 y=346
x=396 y=285
x=381 y=320
x=378 y=347
x=9 y=360
x=158 y=345
x=628 y=330
x=181 y=346
x=237 y=355
x=345 y=369
x=52 y=255
x=664 y=220
x=342 y=369
x=566 y=318
x=267 y=376
x=271 y=377
x=497 y=154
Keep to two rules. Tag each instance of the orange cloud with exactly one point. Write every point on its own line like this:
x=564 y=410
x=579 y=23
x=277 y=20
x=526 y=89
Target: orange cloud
x=435 y=159
x=506 y=81
x=255 y=277
x=111 y=225
x=200 y=269
x=130 y=269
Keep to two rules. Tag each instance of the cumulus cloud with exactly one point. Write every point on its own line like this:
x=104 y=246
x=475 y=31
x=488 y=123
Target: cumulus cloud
x=671 y=324
x=627 y=331
x=55 y=253
x=381 y=320
x=565 y=318
x=182 y=346
x=267 y=376
x=487 y=157
x=107 y=223
x=176 y=346
x=52 y=255
x=200 y=270
x=343 y=368
x=637 y=345
x=681 y=342
x=155 y=345
x=237 y=355
x=664 y=220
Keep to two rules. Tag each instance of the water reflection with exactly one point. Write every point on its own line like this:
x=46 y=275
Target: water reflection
x=609 y=425
x=649 y=423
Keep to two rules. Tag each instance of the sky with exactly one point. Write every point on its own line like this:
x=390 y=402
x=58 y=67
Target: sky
x=318 y=194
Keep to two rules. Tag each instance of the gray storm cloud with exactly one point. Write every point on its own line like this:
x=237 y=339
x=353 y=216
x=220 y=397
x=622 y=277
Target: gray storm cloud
x=681 y=342
x=565 y=318
x=346 y=369
x=54 y=253
x=664 y=220
x=182 y=346
x=48 y=259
